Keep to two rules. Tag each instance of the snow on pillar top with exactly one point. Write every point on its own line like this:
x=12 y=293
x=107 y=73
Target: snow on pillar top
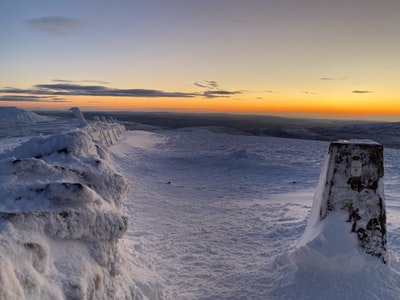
x=351 y=182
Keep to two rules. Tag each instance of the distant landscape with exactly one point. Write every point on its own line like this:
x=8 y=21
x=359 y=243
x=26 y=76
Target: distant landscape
x=387 y=133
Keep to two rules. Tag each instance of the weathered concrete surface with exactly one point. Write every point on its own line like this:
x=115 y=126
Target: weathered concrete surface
x=354 y=183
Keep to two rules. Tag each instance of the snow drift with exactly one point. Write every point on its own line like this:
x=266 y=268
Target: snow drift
x=61 y=219
x=343 y=251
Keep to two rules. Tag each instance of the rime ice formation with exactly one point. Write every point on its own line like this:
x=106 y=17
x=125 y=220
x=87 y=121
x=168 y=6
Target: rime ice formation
x=60 y=213
x=348 y=214
x=11 y=114
x=78 y=114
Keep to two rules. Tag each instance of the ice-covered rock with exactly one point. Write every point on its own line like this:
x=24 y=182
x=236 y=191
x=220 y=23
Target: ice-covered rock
x=79 y=116
x=61 y=221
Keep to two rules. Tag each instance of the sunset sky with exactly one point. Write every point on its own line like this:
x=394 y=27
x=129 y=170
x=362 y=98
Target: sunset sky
x=302 y=58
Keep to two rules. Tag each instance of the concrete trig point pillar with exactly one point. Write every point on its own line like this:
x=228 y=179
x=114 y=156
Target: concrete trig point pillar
x=353 y=182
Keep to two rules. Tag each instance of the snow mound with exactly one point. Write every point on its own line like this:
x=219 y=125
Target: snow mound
x=330 y=261
x=10 y=114
x=61 y=219
x=330 y=247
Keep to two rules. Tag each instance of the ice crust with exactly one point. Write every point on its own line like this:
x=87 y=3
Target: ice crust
x=61 y=219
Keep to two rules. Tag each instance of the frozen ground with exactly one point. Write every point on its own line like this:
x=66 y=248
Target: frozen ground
x=212 y=215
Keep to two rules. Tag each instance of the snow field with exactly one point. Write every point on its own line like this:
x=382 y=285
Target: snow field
x=220 y=216
x=209 y=215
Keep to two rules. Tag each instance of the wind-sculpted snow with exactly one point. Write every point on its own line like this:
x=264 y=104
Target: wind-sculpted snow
x=61 y=220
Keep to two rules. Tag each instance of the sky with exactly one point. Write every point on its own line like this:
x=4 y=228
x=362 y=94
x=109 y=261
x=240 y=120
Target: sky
x=301 y=58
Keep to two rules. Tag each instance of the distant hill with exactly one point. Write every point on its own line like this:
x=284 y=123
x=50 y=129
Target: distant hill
x=11 y=114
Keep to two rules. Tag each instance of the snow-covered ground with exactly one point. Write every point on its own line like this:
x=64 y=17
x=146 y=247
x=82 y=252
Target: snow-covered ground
x=219 y=216
x=211 y=215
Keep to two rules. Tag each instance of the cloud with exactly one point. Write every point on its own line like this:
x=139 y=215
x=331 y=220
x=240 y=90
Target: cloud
x=11 y=98
x=308 y=93
x=59 y=99
x=31 y=98
x=79 y=81
x=219 y=93
x=361 y=92
x=213 y=90
x=55 y=25
x=207 y=84
x=63 y=80
x=68 y=89
x=96 y=81
x=332 y=78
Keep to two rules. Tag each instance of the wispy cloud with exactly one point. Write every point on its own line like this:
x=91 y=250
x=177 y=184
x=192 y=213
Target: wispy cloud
x=63 y=80
x=96 y=81
x=12 y=98
x=332 y=78
x=362 y=92
x=207 y=84
x=308 y=93
x=212 y=89
x=30 y=98
x=80 y=81
x=55 y=25
x=59 y=99
x=219 y=93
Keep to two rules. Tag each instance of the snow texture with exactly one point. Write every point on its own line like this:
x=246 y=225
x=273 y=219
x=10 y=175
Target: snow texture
x=211 y=215
x=61 y=218
x=222 y=216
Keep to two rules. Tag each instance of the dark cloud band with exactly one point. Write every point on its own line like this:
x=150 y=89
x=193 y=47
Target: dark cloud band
x=361 y=92
x=66 y=88
x=219 y=93
x=30 y=98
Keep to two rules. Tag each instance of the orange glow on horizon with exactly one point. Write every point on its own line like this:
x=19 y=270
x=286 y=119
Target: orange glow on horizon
x=356 y=105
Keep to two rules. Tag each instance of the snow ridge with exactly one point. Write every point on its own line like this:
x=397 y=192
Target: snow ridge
x=61 y=218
